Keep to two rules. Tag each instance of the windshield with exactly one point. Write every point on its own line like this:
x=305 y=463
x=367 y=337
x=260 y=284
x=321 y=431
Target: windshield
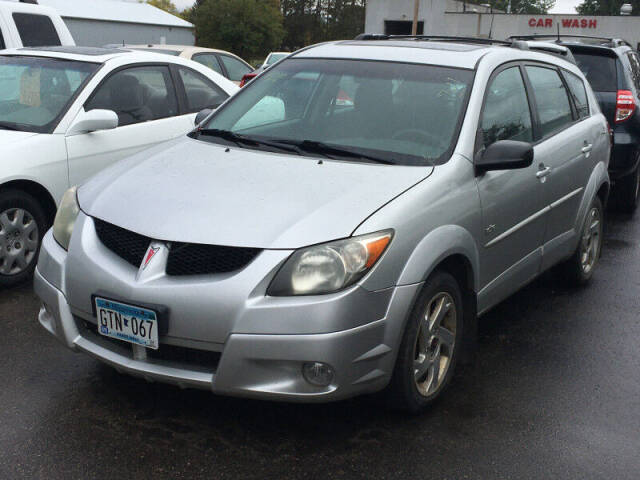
x=600 y=70
x=399 y=113
x=274 y=57
x=35 y=92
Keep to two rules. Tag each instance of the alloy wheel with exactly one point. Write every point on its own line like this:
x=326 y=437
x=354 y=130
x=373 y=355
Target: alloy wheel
x=18 y=240
x=591 y=240
x=434 y=345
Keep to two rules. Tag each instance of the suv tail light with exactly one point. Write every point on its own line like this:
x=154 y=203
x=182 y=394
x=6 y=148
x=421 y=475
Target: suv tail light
x=625 y=105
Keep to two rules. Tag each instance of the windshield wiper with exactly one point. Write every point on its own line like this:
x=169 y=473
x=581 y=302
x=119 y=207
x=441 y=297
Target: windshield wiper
x=312 y=146
x=240 y=140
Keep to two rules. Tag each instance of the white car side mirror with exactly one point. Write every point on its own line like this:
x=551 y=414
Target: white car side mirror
x=92 y=121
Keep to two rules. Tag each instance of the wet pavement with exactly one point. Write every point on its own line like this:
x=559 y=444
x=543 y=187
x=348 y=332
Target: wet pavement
x=554 y=393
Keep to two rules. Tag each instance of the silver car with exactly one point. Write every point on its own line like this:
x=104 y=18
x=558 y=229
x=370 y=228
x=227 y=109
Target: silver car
x=336 y=227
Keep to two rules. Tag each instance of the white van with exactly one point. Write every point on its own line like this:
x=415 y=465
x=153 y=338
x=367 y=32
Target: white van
x=29 y=25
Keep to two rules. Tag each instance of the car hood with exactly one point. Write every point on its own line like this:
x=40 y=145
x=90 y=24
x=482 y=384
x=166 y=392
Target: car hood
x=194 y=191
x=9 y=137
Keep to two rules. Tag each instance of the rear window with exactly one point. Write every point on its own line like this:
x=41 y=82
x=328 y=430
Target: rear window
x=36 y=30
x=599 y=70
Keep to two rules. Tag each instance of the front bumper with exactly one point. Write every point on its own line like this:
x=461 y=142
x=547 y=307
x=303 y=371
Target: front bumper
x=253 y=361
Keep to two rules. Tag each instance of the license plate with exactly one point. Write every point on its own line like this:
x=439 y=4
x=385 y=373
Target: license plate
x=127 y=322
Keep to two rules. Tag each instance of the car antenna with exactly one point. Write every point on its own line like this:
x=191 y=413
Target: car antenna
x=558 y=25
x=491 y=26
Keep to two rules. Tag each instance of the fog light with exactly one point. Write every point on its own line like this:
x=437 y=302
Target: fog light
x=317 y=373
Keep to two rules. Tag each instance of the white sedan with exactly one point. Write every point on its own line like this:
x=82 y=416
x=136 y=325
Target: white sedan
x=68 y=112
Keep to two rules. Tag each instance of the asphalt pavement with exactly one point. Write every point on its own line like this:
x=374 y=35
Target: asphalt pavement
x=554 y=393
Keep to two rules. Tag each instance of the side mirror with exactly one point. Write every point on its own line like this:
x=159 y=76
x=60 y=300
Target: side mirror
x=92 y=121
x=504 y=155
x=202 y=114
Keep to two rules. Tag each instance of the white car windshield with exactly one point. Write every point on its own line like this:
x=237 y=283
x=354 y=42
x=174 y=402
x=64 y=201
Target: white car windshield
x=383 y=111
x=35 y=92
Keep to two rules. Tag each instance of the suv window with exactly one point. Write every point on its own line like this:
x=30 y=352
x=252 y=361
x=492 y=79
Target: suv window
x=201 y=93
x=36 y=30
x=635 y=69
x=579 y=93
x=600 y=70
x=208 y=60
x=137 y=94
x=506 y=114
x=552 y=101
x=235 y=68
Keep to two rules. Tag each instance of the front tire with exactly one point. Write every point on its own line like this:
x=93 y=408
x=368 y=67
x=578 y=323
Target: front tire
x=579 y=268
x=22 y=226
x=430 y=345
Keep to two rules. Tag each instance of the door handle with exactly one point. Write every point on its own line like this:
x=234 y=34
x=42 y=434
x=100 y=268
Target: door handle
x=587 y=148
x=543 y=172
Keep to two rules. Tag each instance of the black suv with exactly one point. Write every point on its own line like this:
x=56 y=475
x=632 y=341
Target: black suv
x=613 y=69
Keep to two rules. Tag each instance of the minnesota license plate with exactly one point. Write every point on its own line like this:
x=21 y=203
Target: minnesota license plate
x=127 y=322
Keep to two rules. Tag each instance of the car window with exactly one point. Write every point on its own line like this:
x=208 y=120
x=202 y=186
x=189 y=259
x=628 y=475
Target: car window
x=341 y=103
x=2 y=44
x=506 y=114
x=579 y=93
x=552 y=101
x=600 y=70
x=201 y=92
x=235 y=68
x=137 y=94
x=36 y=30
x=36 y=91
x=208 y=60
x=635 y=69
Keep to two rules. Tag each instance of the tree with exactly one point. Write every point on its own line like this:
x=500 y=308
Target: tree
x=606 y=7
x=249 y=28
x=524 y=6
x=166 y=5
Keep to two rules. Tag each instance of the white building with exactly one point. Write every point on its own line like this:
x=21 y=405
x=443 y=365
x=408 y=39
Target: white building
x=101 y=22
x=452 y=17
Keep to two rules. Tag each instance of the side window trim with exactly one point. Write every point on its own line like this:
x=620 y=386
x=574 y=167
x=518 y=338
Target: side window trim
x=539 y=138
x=183 y=101
x=572 y=99
x=130 y=66
x=532 y=112
x=222 y=65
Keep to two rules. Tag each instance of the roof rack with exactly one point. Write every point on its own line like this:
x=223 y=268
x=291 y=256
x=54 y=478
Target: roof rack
x=615 y=42
x=484 y=41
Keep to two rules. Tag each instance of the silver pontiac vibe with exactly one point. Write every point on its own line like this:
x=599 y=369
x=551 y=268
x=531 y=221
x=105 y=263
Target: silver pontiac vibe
x=336 y=227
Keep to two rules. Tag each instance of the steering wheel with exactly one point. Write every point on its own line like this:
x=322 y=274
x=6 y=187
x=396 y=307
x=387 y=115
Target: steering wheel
x=411 y=134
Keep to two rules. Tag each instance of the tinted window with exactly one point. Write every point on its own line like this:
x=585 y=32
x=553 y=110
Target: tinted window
x=35 y=92
x=599 y=70
x=208 y=60
x=552 y=102
x=579 y=93
x=36 y=30
x=235 y=68
x=137 y=94
x=404 y=113
x=635 y=69
x=506 y=114
x=201 y=93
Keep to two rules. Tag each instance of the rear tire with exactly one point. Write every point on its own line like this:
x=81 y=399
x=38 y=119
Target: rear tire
x=430 y=346
x=23 y=223
x=579 y=268
x=628 y=191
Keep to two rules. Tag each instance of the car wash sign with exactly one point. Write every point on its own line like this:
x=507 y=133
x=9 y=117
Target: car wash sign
x=575 y=23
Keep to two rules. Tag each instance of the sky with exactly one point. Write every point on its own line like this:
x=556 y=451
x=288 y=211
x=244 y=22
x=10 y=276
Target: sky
x=182 y=4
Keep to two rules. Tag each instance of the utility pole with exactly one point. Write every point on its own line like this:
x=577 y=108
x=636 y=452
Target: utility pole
x=416 y=7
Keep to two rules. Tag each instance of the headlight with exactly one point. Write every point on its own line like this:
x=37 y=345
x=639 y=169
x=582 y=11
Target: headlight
x=329 y=267
x=66 y=218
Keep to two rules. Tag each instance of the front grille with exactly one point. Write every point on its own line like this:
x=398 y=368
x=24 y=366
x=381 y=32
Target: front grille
x=184 y=258
x=184 y=357
x=128 y=245
x=196 y=259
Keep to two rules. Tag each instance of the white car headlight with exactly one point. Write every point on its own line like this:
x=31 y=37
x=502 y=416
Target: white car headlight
x=66 y=218
x=329 y=267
